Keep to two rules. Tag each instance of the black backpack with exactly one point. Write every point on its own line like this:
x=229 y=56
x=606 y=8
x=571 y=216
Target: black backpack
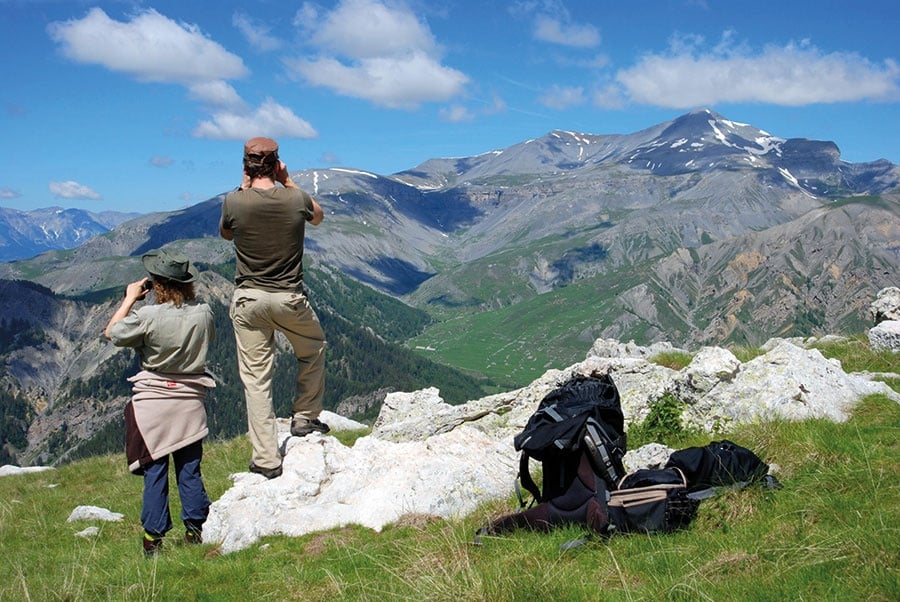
x=720 y=464
x=578 y=435
x=666 y=499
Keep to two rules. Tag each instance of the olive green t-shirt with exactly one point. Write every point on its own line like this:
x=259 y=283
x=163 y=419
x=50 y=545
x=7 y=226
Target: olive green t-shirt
x=167 y=338
x=268 y=227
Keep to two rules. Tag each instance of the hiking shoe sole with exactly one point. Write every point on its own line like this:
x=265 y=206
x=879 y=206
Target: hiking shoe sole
x=269 y=473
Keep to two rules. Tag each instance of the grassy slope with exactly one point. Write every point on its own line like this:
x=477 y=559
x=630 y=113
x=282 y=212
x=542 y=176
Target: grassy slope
x=830 y=534
x=516 y=344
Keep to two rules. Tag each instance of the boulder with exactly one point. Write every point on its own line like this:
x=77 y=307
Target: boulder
x=709 y=368
x=787 y=382
x=611 y=348
x=94 y=513
x=652 y=455
x=885 y=336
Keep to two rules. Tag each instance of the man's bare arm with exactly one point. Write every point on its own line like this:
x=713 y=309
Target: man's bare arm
x=224 y=232
x=318 y=214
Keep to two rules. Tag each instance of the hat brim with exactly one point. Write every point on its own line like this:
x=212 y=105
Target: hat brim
x=151 y=264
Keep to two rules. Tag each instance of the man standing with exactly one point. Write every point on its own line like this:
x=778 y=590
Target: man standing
x=267 y=222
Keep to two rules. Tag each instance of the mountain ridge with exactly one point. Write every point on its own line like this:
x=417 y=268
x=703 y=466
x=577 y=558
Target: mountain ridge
x=700 y=231
x=28 y=233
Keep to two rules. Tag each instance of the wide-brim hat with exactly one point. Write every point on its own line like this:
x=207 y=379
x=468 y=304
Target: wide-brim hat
x=170 y=265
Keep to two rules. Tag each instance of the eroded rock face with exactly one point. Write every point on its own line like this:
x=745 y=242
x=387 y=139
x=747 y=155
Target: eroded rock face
x=427 y=457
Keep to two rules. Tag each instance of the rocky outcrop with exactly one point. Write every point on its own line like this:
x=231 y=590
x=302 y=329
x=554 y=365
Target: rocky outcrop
x=886 y=305
x=885 y=311
x=427 y=457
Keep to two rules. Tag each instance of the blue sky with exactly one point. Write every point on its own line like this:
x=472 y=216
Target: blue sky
x=144 y=106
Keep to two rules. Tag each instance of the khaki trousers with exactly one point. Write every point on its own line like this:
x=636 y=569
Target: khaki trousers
x=257 y=315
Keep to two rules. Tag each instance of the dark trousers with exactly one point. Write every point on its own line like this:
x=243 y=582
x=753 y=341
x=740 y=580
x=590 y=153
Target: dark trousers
x=194 y=501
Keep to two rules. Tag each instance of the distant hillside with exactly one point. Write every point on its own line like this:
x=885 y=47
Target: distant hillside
x=25 y=234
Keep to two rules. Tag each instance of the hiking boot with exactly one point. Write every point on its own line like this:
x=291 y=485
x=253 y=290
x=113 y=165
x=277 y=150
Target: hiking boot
x=152 y=544
x=301 y=427
x=269 y=473
x=192 y=533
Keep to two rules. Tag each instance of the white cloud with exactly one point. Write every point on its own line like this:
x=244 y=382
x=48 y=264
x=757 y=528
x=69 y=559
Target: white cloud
x=550 y=29
x=562 y=97
x=596 y=62
x=150 y=47
x=217 y=93
x=257 y=34
x=73 y=190
x=366 y=29
x=399 y=83
x=459 y=113
x=153 y=48
x=375 y=51
x=9 y=193
x=161 y=161
x=552 y=22
x=456 y=114
x=270 y=119
x=793 y=75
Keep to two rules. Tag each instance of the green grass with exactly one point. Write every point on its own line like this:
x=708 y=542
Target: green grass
x=674 y=360
x=830 y=534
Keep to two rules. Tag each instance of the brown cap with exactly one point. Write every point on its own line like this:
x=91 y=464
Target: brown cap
x=260 y=146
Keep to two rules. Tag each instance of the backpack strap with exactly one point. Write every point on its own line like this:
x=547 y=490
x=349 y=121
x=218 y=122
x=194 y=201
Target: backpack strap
x=527 y=482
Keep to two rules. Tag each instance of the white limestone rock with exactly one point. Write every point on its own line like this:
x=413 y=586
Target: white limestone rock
x=91 y=531
x=94 y=513
x=639 y=382
x=610 y=348
x=327 y=485
x=885 y=336
x=418 y=415
x=336 y=422
x=8 y=470
x=652 y=455
x=787 y=382
x=709 y=367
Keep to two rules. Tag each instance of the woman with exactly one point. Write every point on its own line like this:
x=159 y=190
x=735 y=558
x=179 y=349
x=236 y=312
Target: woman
x=166 y=414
